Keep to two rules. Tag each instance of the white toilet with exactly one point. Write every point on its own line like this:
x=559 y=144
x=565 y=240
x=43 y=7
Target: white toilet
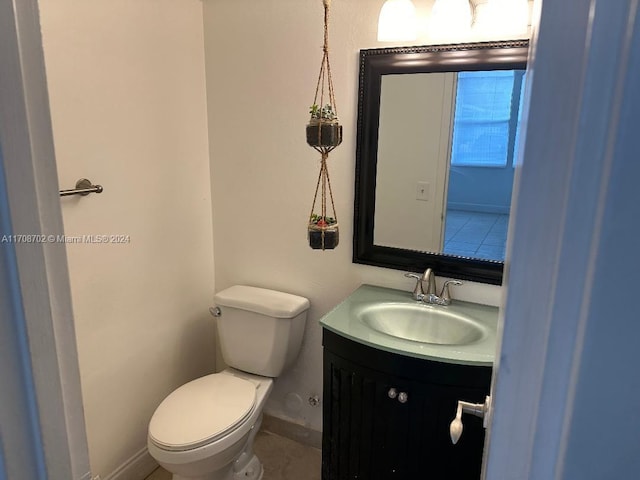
x=205 y=429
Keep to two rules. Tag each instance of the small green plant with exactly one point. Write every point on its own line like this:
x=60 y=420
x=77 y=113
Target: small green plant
x=324 y=113
x=324 y=132
x=321 y=221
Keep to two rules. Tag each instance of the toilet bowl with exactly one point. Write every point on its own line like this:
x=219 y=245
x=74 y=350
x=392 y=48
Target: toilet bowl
x=205 y=429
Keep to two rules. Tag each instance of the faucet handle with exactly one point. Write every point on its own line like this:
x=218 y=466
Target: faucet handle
x=445 y=294
x=418 y=292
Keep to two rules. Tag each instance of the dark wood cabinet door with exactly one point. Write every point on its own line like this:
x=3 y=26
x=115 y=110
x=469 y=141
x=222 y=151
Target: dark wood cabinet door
x=367 y=431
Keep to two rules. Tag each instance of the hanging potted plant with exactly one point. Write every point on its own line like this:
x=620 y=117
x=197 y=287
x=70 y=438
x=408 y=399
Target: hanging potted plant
x=323 y=130
x=323 y=232
x=324 y=133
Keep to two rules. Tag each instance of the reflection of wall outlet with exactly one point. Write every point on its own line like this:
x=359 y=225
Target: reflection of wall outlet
x=422 y=191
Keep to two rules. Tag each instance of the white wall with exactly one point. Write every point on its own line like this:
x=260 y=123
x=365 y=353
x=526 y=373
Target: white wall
x=262 y=66
x=127 y=89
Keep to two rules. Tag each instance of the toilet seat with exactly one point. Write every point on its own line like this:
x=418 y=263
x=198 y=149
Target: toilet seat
x=202 y=411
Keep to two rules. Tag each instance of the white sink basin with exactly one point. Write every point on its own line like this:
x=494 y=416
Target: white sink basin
x=422 y=323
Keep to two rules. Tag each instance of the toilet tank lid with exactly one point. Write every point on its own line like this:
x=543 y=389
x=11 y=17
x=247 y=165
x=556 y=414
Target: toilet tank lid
x=262 y=301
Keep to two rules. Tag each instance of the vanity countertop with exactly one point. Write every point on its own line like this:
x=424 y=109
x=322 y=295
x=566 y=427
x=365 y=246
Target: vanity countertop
x=344 y=320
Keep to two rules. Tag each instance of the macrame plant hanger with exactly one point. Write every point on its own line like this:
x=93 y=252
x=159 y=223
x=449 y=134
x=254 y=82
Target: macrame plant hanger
x=324 y=133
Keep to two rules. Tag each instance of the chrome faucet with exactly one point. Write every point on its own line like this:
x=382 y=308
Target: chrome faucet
x=430 y=296
x=429 y=277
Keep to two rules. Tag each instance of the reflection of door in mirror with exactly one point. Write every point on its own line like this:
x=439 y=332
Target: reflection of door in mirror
x=414 y=138
x=446 y=148
x=484 y=148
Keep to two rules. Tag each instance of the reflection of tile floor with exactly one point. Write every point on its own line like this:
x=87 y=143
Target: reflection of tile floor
x=476 y=234
x=282 y=458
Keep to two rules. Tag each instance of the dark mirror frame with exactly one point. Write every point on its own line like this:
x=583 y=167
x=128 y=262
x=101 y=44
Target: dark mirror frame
x=505 y=55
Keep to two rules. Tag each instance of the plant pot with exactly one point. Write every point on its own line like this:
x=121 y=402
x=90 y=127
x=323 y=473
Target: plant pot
x=323 y=238
x=324 y=133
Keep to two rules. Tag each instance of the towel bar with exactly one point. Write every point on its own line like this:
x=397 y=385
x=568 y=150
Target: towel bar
x=83 y=187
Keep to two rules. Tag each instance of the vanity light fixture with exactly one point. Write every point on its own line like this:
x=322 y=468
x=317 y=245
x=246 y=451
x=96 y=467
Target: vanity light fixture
x=398 y=21
x=454 y=19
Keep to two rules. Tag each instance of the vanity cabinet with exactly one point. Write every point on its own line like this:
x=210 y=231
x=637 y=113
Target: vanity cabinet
x=387 y=415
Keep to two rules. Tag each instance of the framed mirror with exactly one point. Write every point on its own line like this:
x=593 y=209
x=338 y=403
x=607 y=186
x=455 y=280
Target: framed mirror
x=437 y=139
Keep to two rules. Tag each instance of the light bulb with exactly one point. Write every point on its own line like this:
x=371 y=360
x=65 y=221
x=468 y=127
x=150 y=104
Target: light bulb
x=502 y=17
x=398 y=21
x=450 y=18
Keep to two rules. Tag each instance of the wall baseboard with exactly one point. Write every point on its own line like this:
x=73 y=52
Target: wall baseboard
x=139 y=465
x=477 y=207
x=293 y=431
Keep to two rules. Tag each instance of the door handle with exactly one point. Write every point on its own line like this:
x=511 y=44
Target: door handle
x=478 y=409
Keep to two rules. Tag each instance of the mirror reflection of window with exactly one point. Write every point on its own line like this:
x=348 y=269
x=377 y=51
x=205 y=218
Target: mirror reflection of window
x=483 y=152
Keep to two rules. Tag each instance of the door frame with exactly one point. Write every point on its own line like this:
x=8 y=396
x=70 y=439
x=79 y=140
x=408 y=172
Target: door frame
x=39 y=279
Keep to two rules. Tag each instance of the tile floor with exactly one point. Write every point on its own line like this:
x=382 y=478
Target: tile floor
x=282 y=458
x=476 y=234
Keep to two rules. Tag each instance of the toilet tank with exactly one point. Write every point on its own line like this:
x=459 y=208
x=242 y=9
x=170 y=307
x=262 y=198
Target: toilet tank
x=260 y=330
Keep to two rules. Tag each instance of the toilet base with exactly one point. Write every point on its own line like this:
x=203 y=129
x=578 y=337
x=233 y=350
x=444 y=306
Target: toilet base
x=246 y=466
x=253 y=470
